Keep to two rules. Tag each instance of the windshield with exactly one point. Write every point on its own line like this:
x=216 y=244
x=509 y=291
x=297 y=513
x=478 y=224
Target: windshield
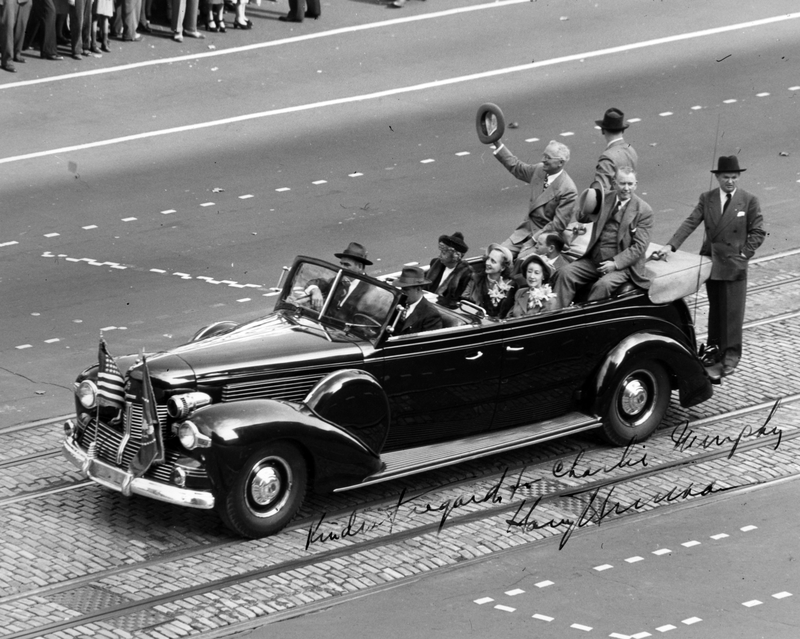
x=338 y=298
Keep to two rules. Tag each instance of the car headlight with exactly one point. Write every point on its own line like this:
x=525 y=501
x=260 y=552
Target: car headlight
x=181 y=406
x=87 y=393
x=191 y=437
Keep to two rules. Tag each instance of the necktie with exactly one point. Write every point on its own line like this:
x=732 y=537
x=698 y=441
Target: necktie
x=727 y=201
x=617 y=207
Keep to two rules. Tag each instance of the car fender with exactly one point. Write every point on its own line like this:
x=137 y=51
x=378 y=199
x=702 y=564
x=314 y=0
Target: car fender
x=237 y=429
x=682 y=364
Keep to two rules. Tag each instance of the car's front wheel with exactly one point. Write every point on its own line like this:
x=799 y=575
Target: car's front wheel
x=639 y=397
x=267 y=492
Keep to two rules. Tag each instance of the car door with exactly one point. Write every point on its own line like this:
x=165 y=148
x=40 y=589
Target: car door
x=441 y=384
x=544 y=365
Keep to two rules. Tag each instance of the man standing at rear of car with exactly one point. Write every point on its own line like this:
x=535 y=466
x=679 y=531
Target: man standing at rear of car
x=734 y=229
x=617 y=152
x=553 y=194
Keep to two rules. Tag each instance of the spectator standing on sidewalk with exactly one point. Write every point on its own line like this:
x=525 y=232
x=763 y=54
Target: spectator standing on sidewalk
x=13 y=21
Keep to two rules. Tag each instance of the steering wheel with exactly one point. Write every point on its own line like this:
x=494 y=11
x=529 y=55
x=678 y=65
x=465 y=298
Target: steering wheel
x=363 y=318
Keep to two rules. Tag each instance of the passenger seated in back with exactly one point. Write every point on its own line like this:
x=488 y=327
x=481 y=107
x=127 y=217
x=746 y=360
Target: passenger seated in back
x=493 y=289
x=537 y=296
x=418 y=315
x=449 y=274
x=550 y=246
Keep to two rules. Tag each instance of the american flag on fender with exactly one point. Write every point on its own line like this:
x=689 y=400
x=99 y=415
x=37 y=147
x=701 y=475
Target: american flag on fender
x=152 y=448
x=110 y=384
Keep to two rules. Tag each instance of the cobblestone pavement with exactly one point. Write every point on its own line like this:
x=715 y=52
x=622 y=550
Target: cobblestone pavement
x=87 y=551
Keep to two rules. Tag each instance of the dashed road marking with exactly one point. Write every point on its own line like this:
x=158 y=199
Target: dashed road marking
x=579 y=626
x=247 y=196
x=52 y=234
x=665 y=114
x=603 y=567
x=318 y=182
x=205 y=204
x=356 y=174
x=689 y=544
x=483 y=600
x=168 y=211
x=462 y=153
x=544 y=584
x=504 y=608
x=22 y=346
x=52 y=340
x=719 y=536
x=542 y=617
x=427 y=161
x=11 y=243
x=731 y=101
x=633 y=560
x=89 y=227
x=515 y=592
x=748 y=528
x=782 y=595
x=282 y=189
x=691 y=620
x=128 y=219
x=666 y=628
x=662 y=551
x=751 y=603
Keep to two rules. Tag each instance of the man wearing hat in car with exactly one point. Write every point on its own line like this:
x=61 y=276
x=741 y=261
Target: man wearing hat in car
x=354 y=257
x=449 y=274
x=622 y=222
x=418 y=315
x=553 y=193
x=733 y=231
x=617 y=152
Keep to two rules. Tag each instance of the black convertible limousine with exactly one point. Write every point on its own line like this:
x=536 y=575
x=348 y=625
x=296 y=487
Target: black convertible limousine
x=251 y=416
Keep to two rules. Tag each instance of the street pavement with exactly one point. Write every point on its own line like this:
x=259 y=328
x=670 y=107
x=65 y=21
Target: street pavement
x=720 y=568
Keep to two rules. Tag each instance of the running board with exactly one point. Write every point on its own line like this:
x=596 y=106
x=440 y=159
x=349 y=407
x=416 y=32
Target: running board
x=411 y=461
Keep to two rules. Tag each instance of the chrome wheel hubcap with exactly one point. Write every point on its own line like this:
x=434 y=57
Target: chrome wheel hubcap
x=634 y=397
x=266 y=486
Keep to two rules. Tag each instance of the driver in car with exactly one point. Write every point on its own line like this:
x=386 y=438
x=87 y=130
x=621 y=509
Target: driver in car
x=354 y=258
x=418 y=315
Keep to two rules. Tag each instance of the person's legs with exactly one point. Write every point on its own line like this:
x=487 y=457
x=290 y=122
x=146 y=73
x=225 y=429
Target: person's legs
x=730 y=319
x=8 y=17
x=23 y=14
x=567 y=280
x=606 y=285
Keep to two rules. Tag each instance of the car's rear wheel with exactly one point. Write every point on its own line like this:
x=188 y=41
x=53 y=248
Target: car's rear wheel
x=639 y=398
x=267 y=492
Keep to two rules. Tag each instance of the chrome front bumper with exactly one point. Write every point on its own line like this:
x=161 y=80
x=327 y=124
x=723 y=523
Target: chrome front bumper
x=125 y=483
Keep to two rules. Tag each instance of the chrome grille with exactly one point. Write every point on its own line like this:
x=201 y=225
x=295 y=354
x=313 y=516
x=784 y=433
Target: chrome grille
x=292 y=389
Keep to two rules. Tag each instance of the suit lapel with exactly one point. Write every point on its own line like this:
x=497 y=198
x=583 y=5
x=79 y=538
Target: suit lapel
x=538 y=182
x=720 y=220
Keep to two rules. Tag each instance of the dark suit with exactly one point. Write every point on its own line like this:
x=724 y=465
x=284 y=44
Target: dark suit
x=730 y=241
x=451 y=290
x=478 y=293
x=549 y=208
x=632 y=238
x=618 y=153
x=424 y=318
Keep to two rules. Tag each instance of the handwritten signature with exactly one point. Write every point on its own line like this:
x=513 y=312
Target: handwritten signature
x=597 y=509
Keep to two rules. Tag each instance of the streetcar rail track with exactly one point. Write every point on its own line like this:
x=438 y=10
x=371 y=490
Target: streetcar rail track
x=766 y=441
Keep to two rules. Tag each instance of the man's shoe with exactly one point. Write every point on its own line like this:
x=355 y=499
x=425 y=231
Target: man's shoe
x=289 y=18
x=9 y=67
x=19 y=59
x=397 y=3
x=194 y=34
x=714 y=372
x=53 y=57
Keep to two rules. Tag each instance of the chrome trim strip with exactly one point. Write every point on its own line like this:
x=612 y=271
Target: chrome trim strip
x=126 y=431
x=125 y=483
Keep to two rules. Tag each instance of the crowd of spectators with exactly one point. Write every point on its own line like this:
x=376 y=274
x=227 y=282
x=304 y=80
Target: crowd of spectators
x=82 y=28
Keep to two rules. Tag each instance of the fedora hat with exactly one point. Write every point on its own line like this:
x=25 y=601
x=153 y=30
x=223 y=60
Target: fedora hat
x=590 y=201
x=355 y=251
x=613 y=120
x=456 y=241
x=411 y=276
x=547 y=270
x=728 y=164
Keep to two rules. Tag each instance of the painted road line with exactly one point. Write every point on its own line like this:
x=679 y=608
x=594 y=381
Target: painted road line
x=435 y=84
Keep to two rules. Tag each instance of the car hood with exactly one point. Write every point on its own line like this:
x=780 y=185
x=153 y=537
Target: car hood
x=271 y=344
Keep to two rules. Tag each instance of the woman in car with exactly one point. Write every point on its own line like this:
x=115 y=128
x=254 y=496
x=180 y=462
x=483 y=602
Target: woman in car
x=494 y=289
x=537 y=296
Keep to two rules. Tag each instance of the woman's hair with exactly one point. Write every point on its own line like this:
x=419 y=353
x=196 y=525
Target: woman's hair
x=508 y=257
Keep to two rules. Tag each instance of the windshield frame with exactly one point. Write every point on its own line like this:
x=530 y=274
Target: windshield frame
x=322 y=316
